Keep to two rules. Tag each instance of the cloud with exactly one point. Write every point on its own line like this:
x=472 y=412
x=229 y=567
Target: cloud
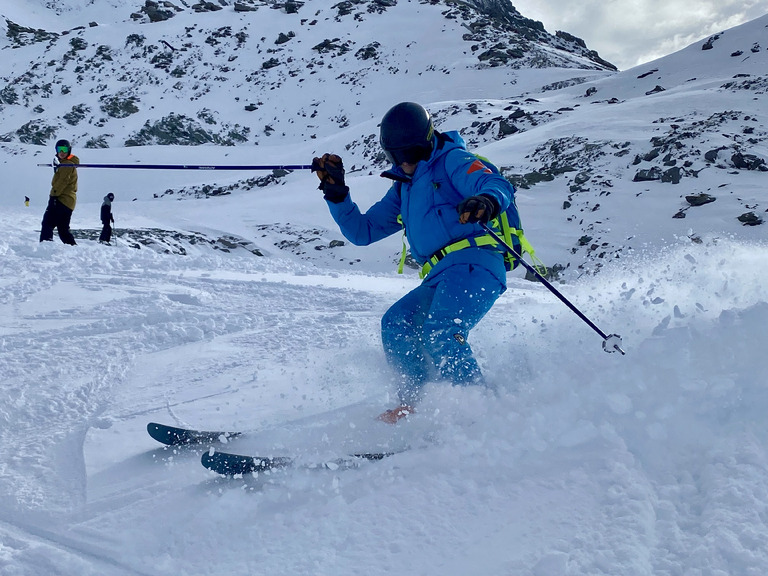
x=630 y=32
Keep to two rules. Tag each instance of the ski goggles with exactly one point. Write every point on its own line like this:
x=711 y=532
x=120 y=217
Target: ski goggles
x=60 y=149
x=410 y=155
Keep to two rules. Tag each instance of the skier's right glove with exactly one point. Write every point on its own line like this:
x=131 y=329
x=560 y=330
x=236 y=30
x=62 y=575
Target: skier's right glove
x=481 y=208
x=330 y=170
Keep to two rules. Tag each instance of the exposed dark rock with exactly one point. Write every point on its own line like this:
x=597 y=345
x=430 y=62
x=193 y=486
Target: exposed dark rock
x=98 y=141
x=371 y=51
x=206 y=7
x=506 y=128
x=243 y=7
x=750 y=219
x=709 y=44
x=649 y=175
x=656 y=90
x=497 y=57
x=327 y=46
x=159 y=11
x=700 y=199
x=180 y=129
x=283 y=38
x=33 y=132
x=77 y=114
x=571 y=38
x=711 y=155
x=169 y=241
x=672 y=175
x=22 y=36
x=652 y=155
x=291 y=7
x=749 y=162
x=118 y=106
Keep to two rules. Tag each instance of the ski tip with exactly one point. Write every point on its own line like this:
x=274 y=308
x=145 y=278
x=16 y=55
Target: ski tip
x=162 y=433
x=227 y=464
x=173 y=436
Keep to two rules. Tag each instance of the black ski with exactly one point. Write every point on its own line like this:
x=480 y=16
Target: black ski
x=233 y=464
x=173 y=436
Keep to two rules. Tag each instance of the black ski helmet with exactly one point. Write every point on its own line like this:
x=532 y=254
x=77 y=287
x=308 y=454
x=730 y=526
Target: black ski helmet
x=64 y=143
x=407 y=133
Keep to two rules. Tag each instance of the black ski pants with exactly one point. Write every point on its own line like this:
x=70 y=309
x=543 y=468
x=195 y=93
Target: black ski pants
x=57 y=215
x=106 y=232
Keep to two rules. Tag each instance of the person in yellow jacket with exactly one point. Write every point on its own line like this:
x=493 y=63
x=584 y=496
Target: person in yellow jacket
x=63 y=196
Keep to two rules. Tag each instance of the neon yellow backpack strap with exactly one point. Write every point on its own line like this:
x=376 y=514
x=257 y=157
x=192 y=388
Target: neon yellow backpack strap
x=526 y=247
x=506 y=229
x=404 y=253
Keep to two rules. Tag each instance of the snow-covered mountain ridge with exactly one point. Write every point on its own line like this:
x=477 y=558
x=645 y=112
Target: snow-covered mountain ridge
x=219 y=73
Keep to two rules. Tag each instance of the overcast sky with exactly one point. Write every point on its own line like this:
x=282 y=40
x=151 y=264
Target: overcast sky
x=631 y=32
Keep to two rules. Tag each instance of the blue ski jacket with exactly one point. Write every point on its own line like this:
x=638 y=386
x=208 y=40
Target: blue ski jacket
x=428 y=206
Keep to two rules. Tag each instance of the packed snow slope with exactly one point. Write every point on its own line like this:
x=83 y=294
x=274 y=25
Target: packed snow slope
x=574 y=462
x=230 y=302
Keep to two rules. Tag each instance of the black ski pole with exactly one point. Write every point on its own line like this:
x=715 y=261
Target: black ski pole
x=192 y=166
x=611 y=343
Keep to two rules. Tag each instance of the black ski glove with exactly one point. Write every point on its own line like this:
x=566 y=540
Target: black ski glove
x=480 y=208
x=330 y=170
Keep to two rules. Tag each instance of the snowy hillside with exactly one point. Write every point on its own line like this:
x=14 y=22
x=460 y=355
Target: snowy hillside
x=230 y=301
x=277 y=72
x=576 y=140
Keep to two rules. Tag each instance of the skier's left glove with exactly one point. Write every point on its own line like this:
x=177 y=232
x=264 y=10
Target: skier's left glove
x=481 y=208
x=330 y=170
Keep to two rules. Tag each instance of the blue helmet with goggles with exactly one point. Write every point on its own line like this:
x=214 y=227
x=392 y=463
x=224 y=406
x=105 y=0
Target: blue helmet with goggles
x=407 y=134
x=63 y=146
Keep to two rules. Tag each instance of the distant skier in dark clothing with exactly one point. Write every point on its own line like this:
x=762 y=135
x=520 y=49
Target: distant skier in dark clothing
x=63 y=196
x=107 y=219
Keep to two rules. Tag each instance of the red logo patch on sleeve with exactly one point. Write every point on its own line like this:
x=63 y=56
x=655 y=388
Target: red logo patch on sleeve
x=477 y=165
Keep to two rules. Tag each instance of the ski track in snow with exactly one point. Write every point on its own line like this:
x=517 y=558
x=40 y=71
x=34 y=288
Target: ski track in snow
x=576 y=462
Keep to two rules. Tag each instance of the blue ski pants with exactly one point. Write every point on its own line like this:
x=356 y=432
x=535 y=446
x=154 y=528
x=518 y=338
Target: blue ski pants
x=426 y=331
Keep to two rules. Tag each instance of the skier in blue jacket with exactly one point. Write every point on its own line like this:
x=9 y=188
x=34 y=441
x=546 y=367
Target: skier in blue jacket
x=442 y=193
